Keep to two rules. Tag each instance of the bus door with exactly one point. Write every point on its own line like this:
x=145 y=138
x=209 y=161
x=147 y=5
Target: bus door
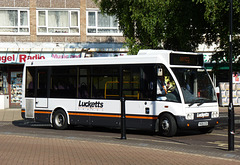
x=41 y=100
x=139 y=114
x=138 y=87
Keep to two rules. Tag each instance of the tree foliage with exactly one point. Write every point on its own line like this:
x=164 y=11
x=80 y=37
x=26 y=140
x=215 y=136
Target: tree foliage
x=218 y=15
x=173 y=24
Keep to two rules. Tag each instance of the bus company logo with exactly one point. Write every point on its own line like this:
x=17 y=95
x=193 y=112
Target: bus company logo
x=90 y=104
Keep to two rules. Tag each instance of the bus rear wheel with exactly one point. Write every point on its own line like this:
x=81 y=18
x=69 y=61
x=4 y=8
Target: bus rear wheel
x=167 y=125
x=60 y=120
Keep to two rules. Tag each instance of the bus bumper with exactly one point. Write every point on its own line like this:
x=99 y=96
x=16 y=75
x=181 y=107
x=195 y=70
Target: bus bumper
x=196 y=124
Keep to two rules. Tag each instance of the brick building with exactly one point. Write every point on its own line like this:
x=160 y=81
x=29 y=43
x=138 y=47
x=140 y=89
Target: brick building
x=41 y=29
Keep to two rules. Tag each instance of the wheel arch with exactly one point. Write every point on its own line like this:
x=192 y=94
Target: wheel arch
x=159 y=116
x=57 y=109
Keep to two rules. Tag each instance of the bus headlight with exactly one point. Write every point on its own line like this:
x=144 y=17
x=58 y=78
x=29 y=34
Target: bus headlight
x=215 y=114
x=190 y=116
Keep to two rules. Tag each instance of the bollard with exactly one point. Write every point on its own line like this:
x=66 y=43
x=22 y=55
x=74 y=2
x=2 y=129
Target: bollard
x=123 y=119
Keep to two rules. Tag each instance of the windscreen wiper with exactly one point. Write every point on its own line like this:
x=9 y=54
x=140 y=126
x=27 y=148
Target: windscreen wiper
x=203 y=101
x=193 y=102
x=199 y=101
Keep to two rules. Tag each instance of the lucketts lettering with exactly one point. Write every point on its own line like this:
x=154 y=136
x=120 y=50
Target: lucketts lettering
x=96 y=104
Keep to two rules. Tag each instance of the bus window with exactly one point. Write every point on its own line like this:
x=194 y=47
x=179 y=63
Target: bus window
x=131 y=82
x=84 y=83
x=166 y=86
x=147 y=74
x=64 y=82
x=138 y=82
x=105 y=82
x=30 y=82
x=42 y=74
x=195 y=85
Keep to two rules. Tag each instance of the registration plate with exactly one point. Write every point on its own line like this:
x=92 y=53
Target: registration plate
x=200 y=124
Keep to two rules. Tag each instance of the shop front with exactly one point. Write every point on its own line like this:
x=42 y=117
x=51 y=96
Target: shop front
x=10 y=85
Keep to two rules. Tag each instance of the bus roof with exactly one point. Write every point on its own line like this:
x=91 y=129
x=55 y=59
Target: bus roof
x=143 y=57
x=160 y=52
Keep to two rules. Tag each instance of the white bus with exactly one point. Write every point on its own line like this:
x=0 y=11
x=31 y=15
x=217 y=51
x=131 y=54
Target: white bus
x=164 y=91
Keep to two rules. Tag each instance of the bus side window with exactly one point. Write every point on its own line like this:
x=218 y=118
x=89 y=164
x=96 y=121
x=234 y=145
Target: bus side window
x=42 y=81
x=30 y=82
x=166 y=86
x=84 y=83
x=147 y=73
x=131 y=82
x=63 y=82
x=138 y=82
x=105 y=82
x=83 y=91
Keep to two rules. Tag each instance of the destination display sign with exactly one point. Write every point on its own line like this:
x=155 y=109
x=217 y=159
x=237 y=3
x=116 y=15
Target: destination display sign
x=186 y=59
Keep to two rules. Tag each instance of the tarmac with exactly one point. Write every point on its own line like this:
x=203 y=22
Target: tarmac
x=19 y=149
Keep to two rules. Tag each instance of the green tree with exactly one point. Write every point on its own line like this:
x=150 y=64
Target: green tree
x=217 y=14
x=161 y=24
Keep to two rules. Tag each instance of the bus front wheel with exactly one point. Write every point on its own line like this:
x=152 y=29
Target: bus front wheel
x=60 y=120
x=167 y=125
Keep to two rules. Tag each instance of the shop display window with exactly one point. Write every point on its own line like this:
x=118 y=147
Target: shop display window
x=224 y=94
x=16 y=87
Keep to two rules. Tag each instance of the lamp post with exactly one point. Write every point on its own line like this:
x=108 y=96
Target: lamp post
x=231 y=124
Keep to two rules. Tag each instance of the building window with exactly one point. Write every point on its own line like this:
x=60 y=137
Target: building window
x=102 y=24
x=14 y=21
x=55 y=22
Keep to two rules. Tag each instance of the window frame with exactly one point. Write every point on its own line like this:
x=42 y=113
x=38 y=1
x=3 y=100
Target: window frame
x=96 y=11
x=19 y=26
x=70 y=11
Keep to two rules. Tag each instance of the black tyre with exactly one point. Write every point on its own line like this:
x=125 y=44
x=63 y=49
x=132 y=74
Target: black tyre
x=60 y=120
x=167 y=125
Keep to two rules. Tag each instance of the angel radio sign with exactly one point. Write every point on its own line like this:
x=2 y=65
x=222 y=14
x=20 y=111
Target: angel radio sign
x=16 y=58
x=19 y=58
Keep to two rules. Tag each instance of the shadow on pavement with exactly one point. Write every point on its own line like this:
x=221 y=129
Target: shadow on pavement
x=24 y=123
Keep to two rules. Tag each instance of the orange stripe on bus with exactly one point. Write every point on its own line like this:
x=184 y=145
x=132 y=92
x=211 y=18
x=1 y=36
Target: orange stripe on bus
x=43 y=112
x=141 y=117
x=101 y=115
x=118 y=116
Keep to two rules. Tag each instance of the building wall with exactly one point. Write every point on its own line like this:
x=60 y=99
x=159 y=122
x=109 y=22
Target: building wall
x=32 y=5
x=16 y=41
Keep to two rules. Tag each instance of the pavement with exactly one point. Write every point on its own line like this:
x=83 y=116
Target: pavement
x=20 y=149
x=10 y=114
x=224 y=115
